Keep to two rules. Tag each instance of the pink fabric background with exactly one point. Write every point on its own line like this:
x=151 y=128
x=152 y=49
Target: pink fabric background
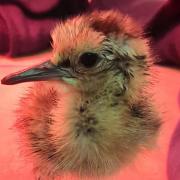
x=25 y=25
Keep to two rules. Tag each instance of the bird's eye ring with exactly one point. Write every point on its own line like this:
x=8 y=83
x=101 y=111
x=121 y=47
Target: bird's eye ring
x=89 y=59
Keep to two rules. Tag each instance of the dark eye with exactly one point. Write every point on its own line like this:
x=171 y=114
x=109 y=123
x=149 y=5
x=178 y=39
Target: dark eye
x=89 y=59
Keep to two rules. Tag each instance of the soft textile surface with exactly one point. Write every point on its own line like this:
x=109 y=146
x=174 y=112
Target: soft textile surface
x=25 y=25
x=168 y=47
x=160 y=163
x=21 y=34
x=164 y=29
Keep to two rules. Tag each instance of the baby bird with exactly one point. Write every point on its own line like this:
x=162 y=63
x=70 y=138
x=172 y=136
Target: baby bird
x=90 y=114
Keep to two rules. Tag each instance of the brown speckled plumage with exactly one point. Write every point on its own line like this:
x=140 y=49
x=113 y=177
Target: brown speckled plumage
x=94 y=124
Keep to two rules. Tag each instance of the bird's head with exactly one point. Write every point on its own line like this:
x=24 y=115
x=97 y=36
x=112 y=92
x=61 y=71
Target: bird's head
x=90 y=51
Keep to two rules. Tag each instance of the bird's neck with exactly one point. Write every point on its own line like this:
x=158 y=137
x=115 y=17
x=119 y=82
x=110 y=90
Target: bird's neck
x=101 y=104
x=103 y=94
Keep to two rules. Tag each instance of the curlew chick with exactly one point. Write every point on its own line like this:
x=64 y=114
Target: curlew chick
x=90 y=114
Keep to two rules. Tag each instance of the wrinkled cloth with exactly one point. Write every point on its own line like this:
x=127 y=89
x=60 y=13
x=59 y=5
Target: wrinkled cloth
x=37 y=6
x=164 y=30
x=22 y=35
x=168 y=47
x=25 y=25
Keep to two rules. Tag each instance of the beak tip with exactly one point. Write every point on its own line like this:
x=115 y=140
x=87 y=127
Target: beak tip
x=5 y=81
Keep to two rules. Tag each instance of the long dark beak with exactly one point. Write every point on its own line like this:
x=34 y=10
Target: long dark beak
x=41 y=72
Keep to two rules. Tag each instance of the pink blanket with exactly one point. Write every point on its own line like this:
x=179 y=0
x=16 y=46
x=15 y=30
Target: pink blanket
x=25 y=25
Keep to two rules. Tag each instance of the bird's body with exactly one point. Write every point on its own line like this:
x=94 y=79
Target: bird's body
x=97 y=116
